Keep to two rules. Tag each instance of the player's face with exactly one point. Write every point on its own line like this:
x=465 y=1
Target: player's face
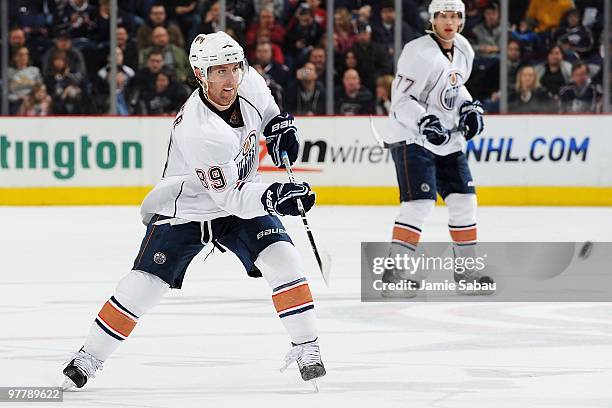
x=446 y=24
x=223 y=81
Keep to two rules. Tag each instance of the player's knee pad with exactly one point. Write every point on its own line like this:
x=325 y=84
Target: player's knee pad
x=461 y=209
x=280 y=263
x=415 y=212
x=139 y=291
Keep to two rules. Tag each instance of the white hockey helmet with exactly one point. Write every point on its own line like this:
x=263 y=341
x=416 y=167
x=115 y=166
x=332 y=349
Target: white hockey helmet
x=208 y=50
x=438 y=6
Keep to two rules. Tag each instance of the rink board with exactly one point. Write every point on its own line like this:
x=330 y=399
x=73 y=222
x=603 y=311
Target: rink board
x=518 y=160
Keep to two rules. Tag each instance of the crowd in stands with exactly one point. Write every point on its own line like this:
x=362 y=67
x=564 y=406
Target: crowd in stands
x=59 y=51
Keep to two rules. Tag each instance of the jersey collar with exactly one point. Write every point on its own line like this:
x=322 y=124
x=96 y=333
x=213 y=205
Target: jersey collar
x=449 y=54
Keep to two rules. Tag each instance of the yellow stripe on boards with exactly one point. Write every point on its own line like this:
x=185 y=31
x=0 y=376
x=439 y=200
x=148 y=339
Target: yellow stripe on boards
x=568 y=196
x=533 y=195
x=73 y=195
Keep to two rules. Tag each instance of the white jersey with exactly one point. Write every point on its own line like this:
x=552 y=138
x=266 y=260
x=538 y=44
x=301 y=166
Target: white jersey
x=427 y=82
x=211 y=168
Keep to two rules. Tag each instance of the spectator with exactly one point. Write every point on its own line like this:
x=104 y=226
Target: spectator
x=383 y=94
x=473 y=17
x=275 y=88
x=30 y=16
x=165 y=99
x=573 y=36
x=128 y=47
x=263 y=56
x=528 y=96
x=22 y=77
x=580 y=95
x=210 y=23
x=554 y=73
x=304 y=35
x=157 y=18
x=37 y=103
x=175 y=58
x=318 y=58
x=344 y=32
x=77 y=17
x=277 y=51
x=185 y=14
x=277 y=7
x=101 y=28
x=372 y=58
x=17 y=39
x=384 y=31
x=245 y=10
x=306 y=96
x=529 y=40
x=548 y=13
x=65 y=87
x=364 y=14
x=76 y=61
x=517 y=11
x=487 y=34
x=515 y=61
x=350 y=61
x=265 y=24
x=319 y=13
x=353 y=98
x=411 y=14
x=133 y=12
x=144 y=79
x=121 y=67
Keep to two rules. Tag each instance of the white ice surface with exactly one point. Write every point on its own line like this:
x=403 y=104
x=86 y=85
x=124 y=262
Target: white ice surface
x=218 y=343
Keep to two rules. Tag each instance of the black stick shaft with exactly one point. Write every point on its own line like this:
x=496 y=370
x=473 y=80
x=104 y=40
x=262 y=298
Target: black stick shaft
x=302 y=212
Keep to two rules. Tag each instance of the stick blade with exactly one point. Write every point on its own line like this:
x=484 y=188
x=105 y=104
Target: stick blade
x=375 y=133
x=326 y=262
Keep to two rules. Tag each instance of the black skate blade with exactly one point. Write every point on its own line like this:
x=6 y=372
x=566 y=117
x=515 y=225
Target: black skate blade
x=75 y=375
x=312 y=372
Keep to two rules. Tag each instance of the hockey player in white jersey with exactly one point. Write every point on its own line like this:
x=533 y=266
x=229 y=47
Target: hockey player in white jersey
x=432 y=115
x=211 y=193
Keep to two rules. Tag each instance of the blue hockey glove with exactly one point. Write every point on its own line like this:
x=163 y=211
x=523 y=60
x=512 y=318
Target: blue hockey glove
x=281 y=134
x=470 y=118
x=432 y=129
x=281 y=198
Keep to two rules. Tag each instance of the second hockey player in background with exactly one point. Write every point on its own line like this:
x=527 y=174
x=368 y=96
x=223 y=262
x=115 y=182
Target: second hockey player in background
x=432 y=115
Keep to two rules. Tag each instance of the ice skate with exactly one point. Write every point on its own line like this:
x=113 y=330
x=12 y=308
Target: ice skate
x=308 y=358
x=82 y=367
x=474 y=283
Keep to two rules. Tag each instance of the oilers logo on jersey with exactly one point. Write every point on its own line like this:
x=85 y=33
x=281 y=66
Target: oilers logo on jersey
x=448 y=95
x=245 y=161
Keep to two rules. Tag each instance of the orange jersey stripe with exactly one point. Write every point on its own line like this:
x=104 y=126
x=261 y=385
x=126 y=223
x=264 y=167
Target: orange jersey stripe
x=464 y=236
x=116 y=320
x=292 y=298
x=405 y=235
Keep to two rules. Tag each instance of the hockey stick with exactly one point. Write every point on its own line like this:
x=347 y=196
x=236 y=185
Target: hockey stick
x=323 y=258
x=375 y=133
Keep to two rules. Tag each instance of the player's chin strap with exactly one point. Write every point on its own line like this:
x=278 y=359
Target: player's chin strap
x=440 y=38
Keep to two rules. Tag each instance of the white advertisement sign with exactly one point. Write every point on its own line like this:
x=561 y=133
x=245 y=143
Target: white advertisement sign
x=533 y=150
